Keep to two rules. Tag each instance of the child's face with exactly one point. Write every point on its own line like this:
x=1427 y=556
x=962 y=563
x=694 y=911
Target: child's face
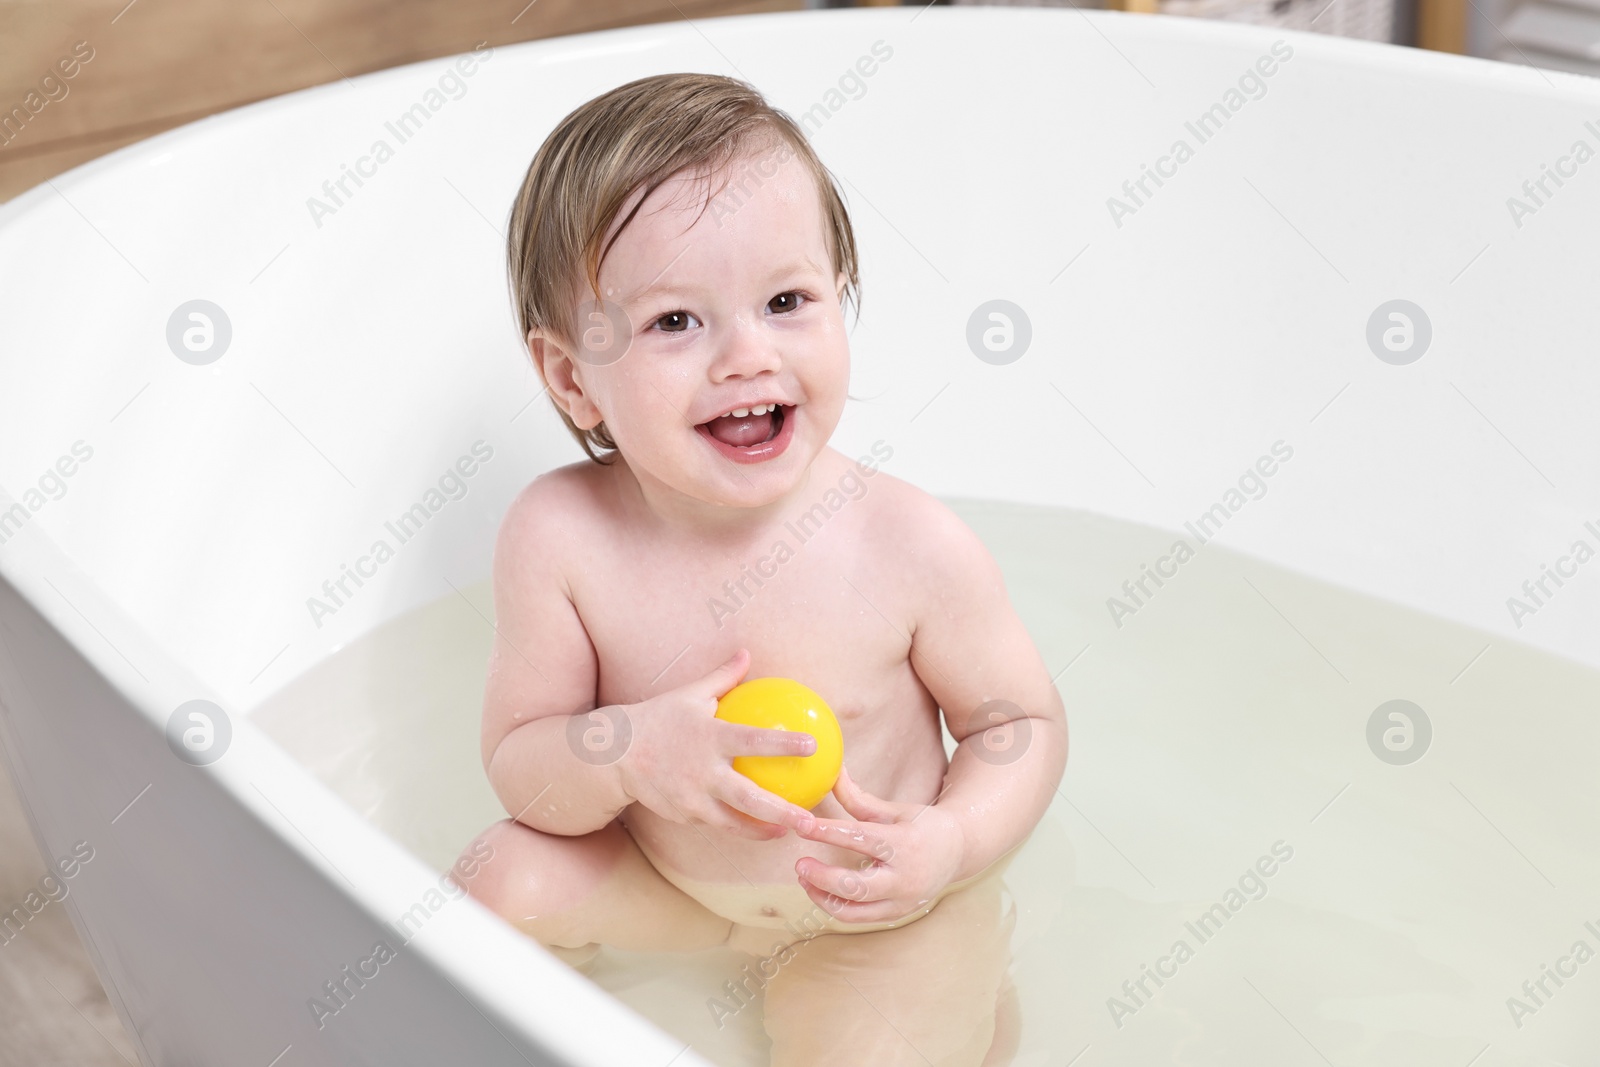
x=737 y=309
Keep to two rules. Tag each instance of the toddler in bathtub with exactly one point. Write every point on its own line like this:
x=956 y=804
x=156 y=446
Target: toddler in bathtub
x=680 y=259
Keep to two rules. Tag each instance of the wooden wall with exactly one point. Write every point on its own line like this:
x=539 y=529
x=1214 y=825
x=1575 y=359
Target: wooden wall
x=161 y=63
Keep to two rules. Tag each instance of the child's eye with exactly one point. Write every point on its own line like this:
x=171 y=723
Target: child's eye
x=675 y=321
x=786 y=302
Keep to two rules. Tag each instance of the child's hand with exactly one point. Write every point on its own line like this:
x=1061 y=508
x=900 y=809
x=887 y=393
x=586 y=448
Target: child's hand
x=678 y=760
x=915 y=851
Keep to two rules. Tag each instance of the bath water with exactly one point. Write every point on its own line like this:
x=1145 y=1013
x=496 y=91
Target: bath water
x=1256 y=856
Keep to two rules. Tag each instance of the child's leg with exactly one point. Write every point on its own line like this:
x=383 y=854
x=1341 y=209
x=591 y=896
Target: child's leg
x=569 y=893
x=1007 y=1027
x=925 y=993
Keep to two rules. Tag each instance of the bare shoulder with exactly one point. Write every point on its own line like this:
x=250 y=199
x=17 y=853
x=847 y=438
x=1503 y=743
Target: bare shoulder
x=562 y=491
x=918 y=536
x=919 y=524
x=548 y=514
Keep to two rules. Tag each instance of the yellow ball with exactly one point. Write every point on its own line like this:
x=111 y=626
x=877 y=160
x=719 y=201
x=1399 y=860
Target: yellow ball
x=784 y=704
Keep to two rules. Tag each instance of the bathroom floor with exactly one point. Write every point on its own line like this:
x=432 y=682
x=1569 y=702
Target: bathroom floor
x=53 y=1012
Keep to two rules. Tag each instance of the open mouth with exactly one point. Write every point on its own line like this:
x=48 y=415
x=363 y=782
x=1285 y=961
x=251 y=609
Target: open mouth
x=751 y=435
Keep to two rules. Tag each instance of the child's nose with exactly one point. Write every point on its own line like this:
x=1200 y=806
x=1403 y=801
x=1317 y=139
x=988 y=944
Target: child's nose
x=745 y=352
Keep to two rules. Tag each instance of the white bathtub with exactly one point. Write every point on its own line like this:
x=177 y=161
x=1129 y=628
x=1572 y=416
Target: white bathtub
x=372 y=346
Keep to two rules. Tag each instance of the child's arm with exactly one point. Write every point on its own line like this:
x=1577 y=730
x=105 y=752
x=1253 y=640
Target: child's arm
x=977 y=660
x=542 y=670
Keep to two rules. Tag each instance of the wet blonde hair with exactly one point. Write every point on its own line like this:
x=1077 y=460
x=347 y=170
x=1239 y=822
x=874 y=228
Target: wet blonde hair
x=634 y=137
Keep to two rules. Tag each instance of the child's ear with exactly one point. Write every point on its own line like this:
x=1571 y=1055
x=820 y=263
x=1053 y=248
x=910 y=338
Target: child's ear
x=559 y=371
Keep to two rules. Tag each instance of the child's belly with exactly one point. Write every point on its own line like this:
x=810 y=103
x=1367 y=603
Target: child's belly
x=706 y=856
x=752 y=882
x=777 y=902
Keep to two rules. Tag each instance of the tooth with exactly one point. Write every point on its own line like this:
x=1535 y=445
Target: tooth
x=760 y=409
x=739 y=413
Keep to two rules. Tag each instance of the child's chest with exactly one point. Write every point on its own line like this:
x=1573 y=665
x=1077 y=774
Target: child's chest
x=825 y=615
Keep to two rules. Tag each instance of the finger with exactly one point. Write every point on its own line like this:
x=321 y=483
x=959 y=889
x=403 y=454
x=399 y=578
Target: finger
x=725 y=677
x=711 y=813
x=849 y=883
x=742 y=740
x=863 y=805
x=851 y=911
x=737 y=822
x=718 y=816
x=847 y=833
x=741 y=794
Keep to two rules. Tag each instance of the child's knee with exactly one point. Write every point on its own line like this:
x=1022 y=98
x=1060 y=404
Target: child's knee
x=486 y=869
x=520 y=873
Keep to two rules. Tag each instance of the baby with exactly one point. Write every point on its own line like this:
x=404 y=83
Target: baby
x=680 y=259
